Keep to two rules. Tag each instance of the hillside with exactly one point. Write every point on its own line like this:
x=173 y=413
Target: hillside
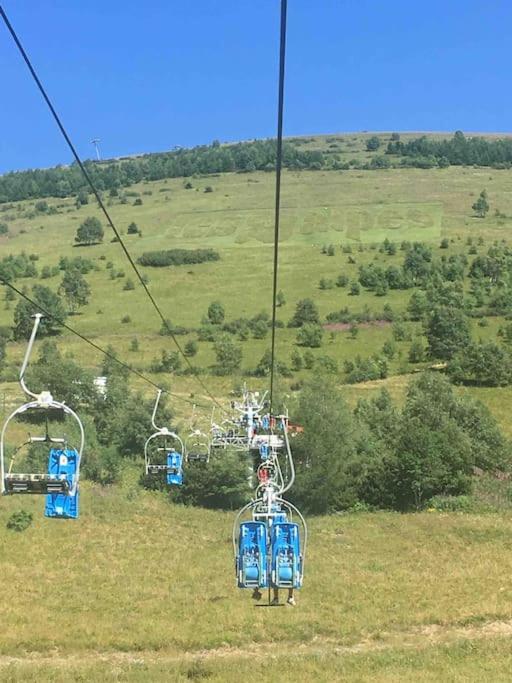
x=353 y=210
x=139 y=589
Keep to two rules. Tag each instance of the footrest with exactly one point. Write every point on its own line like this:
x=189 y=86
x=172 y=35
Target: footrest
x=36 y=483
x=156 y=469
x=197 y=457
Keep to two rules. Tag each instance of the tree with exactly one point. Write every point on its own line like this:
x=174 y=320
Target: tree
x=296 y=360
x=220 y=484
x=310 y=335
x=305 y=312
x=216 y=313
x=228 y=355
x=75 y=289
x=281 y=298
x=66 y=380
x=481 y=206
x=89 y=232
x=326 y=451
x=48 y=302
x=133 y=229
x=482 y=364
x=416 y=352
x=190 y=348
x=447 y=331
x=355 y=288
x=259 y=329
x=372 y=144
x=82 y=199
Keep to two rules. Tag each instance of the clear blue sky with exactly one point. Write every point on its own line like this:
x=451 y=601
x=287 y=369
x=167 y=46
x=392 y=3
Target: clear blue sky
x=148 y=76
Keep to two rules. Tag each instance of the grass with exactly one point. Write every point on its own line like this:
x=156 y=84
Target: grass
x=138 y=581
x=138 y=589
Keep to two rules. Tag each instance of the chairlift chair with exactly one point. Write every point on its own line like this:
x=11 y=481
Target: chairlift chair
x=60 y=482
x=173 y=447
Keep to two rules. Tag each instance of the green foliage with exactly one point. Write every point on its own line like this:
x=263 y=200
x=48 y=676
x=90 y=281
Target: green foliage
x=450 y=503
x=306 y=311
x=128 y=285
x=177 y=257
x=296 y=360
x=134 y=344
x=48 y=301
x=228 y=355
x=62 y=181
x=222 y=483
x=355 y=289
x=216 y=313
x=311 y=335
x=133 y=229
x=481 y=206
x=67 y=381
x=326 y=451
x=447 y=331
x=90 y=232
x=169 y=361
x=481 y=364
x=13 y=267
x=280 y=299
x=75 y=289
x=19 y=521
x=191 y=348
x=416 y=352
x=372 y=144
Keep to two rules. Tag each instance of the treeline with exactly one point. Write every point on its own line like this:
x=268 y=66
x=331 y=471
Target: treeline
x=384 y=456
x=66 y=181
x=177 y=257
x=459 y=150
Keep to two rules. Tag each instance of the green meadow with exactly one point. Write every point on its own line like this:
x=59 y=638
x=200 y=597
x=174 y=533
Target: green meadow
x=141 y=589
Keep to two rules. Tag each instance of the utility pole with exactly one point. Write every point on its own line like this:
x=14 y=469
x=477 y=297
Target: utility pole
x=96 y=142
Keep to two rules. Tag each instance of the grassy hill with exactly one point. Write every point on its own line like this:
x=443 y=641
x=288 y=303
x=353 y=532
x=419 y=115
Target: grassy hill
x=354 y=207
x=140 y=589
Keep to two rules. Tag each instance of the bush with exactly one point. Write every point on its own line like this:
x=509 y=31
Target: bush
x=190 y=348
x=177 y=257
x=19 y=521
x=310 y=335
x=128 y=285
x=449 y=503
x=138 y=202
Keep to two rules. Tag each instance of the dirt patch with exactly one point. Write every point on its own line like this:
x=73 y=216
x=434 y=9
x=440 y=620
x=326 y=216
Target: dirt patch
x=341 y=327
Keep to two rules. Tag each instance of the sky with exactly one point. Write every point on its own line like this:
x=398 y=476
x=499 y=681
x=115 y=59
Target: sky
x=149 y=76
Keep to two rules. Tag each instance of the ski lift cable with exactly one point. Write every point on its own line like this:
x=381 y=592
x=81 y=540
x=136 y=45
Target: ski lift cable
x=106 y=353
x=100 y=202
x=279 y=158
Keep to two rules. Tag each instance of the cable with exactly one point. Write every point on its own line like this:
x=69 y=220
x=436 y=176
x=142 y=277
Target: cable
x=106 y=353
x=279 y=160
x=100 y=201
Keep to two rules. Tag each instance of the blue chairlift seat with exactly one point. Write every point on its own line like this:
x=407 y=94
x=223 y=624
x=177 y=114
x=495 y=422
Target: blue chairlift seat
x=251 y=561
x=174 y=468
x=264 y=451
x=285 y=555
x=62 y=464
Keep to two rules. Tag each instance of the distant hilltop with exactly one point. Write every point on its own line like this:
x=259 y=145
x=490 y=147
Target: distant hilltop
x=336 y=152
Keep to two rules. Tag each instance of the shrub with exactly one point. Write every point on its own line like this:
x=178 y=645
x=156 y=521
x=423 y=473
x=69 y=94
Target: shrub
x=19 y=521
x=310 y=335
x=177 y=257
